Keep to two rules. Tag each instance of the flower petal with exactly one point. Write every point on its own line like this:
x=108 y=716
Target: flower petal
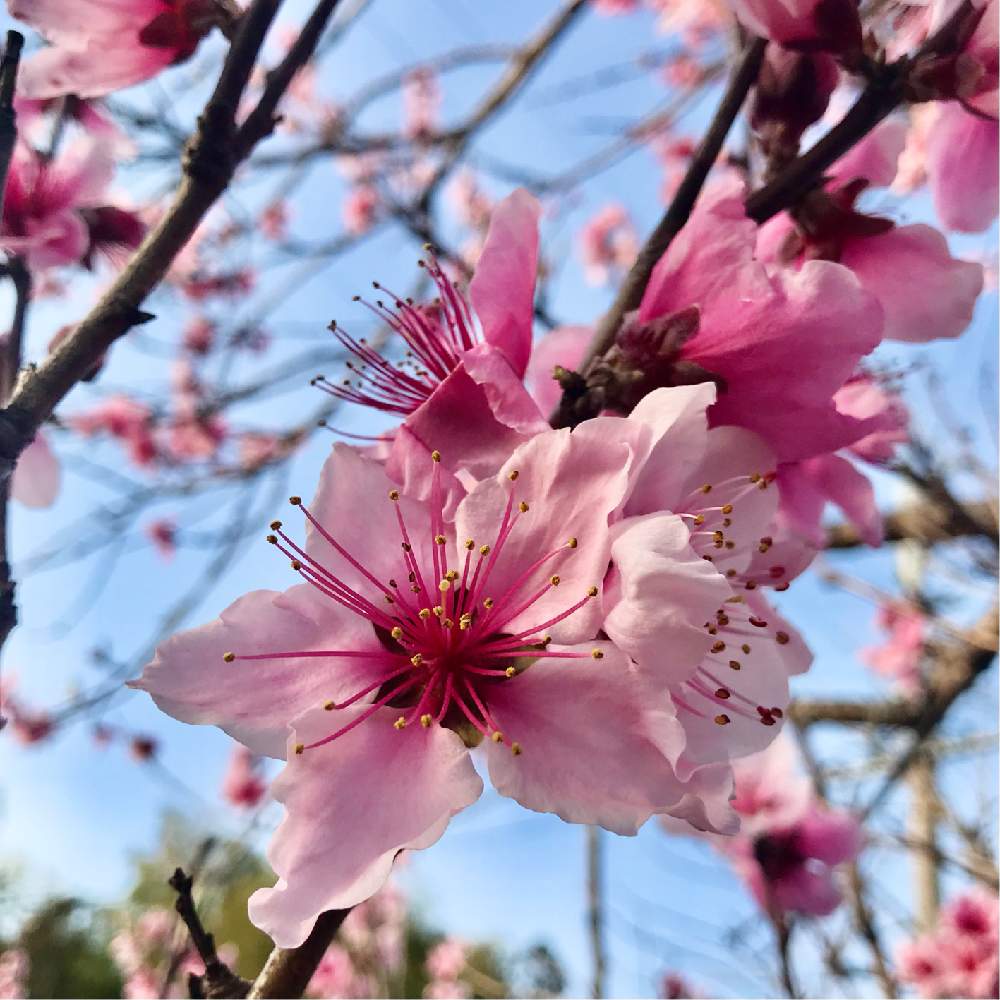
x=37 y=475
x=352 y=805
x=503 y=288
x=592 y=742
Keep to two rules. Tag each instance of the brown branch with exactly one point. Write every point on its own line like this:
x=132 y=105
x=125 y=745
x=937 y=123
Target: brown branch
x=923 y=823
x=219 y=980
x=632 y=289
x=927 y=522
x=865 y=923
x=595 y=910
x=8 y=119
x=287 y=971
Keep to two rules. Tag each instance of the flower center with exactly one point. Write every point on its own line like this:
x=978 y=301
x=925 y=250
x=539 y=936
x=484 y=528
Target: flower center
x=445 y=639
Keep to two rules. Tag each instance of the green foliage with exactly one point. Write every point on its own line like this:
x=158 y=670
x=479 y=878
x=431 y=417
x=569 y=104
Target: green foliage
x=67 y=945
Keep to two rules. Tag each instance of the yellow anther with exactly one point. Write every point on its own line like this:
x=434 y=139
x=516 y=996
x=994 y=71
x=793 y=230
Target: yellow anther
x=781 y=638
x=389 y=600
x=513 y=474
x=444 y=585
x=730 y=545
x=496 y=736
x=438 y=610
x=722 y=693
x=751 y=585
x=447 y=623
x=727 y=522
x=424 y=613
x=754 y=477
x=406 y=546
x=745 y=647
x=597 y=654
x=523 y=507
x=718 y=536
x=510 y=671
x=555 y=580
x=400 y=723
x=592 y=592
x=722 y=720
x=295 y=501
x=417 y=659
x=707 y=488
x=718 y=647
x=452 y=575
x=275 y=525
x=487 y=602
x=229 y=657
x=435 y=456
x=470 y=544
x=571 y=543
x=484 y=550
x=735 y=665
x=699 y=519
x=727 y=508
x=439 y=539
x=425 y=721
x=735 y=599
x=300 y=747
x=396 y=633
x=515 y=749
x=271 y=539
x=393 y=494
x=296 y=565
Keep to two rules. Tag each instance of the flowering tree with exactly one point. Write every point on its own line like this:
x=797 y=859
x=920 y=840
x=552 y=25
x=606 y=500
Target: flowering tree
x=559 y=520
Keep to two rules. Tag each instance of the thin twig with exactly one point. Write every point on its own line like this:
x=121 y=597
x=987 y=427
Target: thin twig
x=595 y=911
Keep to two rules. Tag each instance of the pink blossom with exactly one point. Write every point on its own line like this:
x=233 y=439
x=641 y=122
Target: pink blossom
x=256 y=449
x=361 y=208
x=274 y=220
x=335 y=976
x=163 y=534
x=470 y=202
x=14 y=968
x=924 y=292
x=459 y=392
x=611 y=7
x=242 y=785
x=863 y=397
x=37 y=475
x=53 y=211
x=789 y=844
x=376 y=928
x=99 y=47
x=958 y=957
x=750 y=321
x=199 y=335
x=697 y=23
x=831 y=25
x=673 y=986
x=421 y=103
x=27 y=724
x=530 y=546
x=608 y=244
x=898 y=657
x=125 y=419
x=447 y=959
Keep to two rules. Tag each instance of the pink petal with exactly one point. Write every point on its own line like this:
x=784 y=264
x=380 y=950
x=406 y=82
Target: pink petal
x=664 y=592
x=37 y=475
x=925 y=293
x=104 y=66
x=255 y=700
x=352 y=805
x=864 y=398
x=839 y=481
x=706 y=803
x=69 y=22
x=830 y=836
x=571 y=484
x=503 y=288
x=592 y=742
x=962 y=169
x=811 y=893
x=875 y=157
x=677 y=423
x=565 y=346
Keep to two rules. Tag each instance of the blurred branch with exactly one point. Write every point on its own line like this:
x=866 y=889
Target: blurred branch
x=287 y=971
x=923 y=826
x=219 y=979
x=927 y=521
x=595 y=910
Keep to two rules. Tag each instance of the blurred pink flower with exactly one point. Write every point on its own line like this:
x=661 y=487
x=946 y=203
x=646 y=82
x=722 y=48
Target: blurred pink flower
x=608 y=244
x=361 y=208
x=242 y=785
x=28 y=725
x=14 y=968
x=421 y=103
x=831 y=25
x=125 y=419
x=958 y=958
x=446 y=959
x=898 y=657
x=199 y=335
x=100 y=47
x=163 y=534
x=335 y=977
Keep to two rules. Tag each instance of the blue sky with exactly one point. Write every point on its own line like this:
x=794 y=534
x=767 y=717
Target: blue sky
x=72 y=815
